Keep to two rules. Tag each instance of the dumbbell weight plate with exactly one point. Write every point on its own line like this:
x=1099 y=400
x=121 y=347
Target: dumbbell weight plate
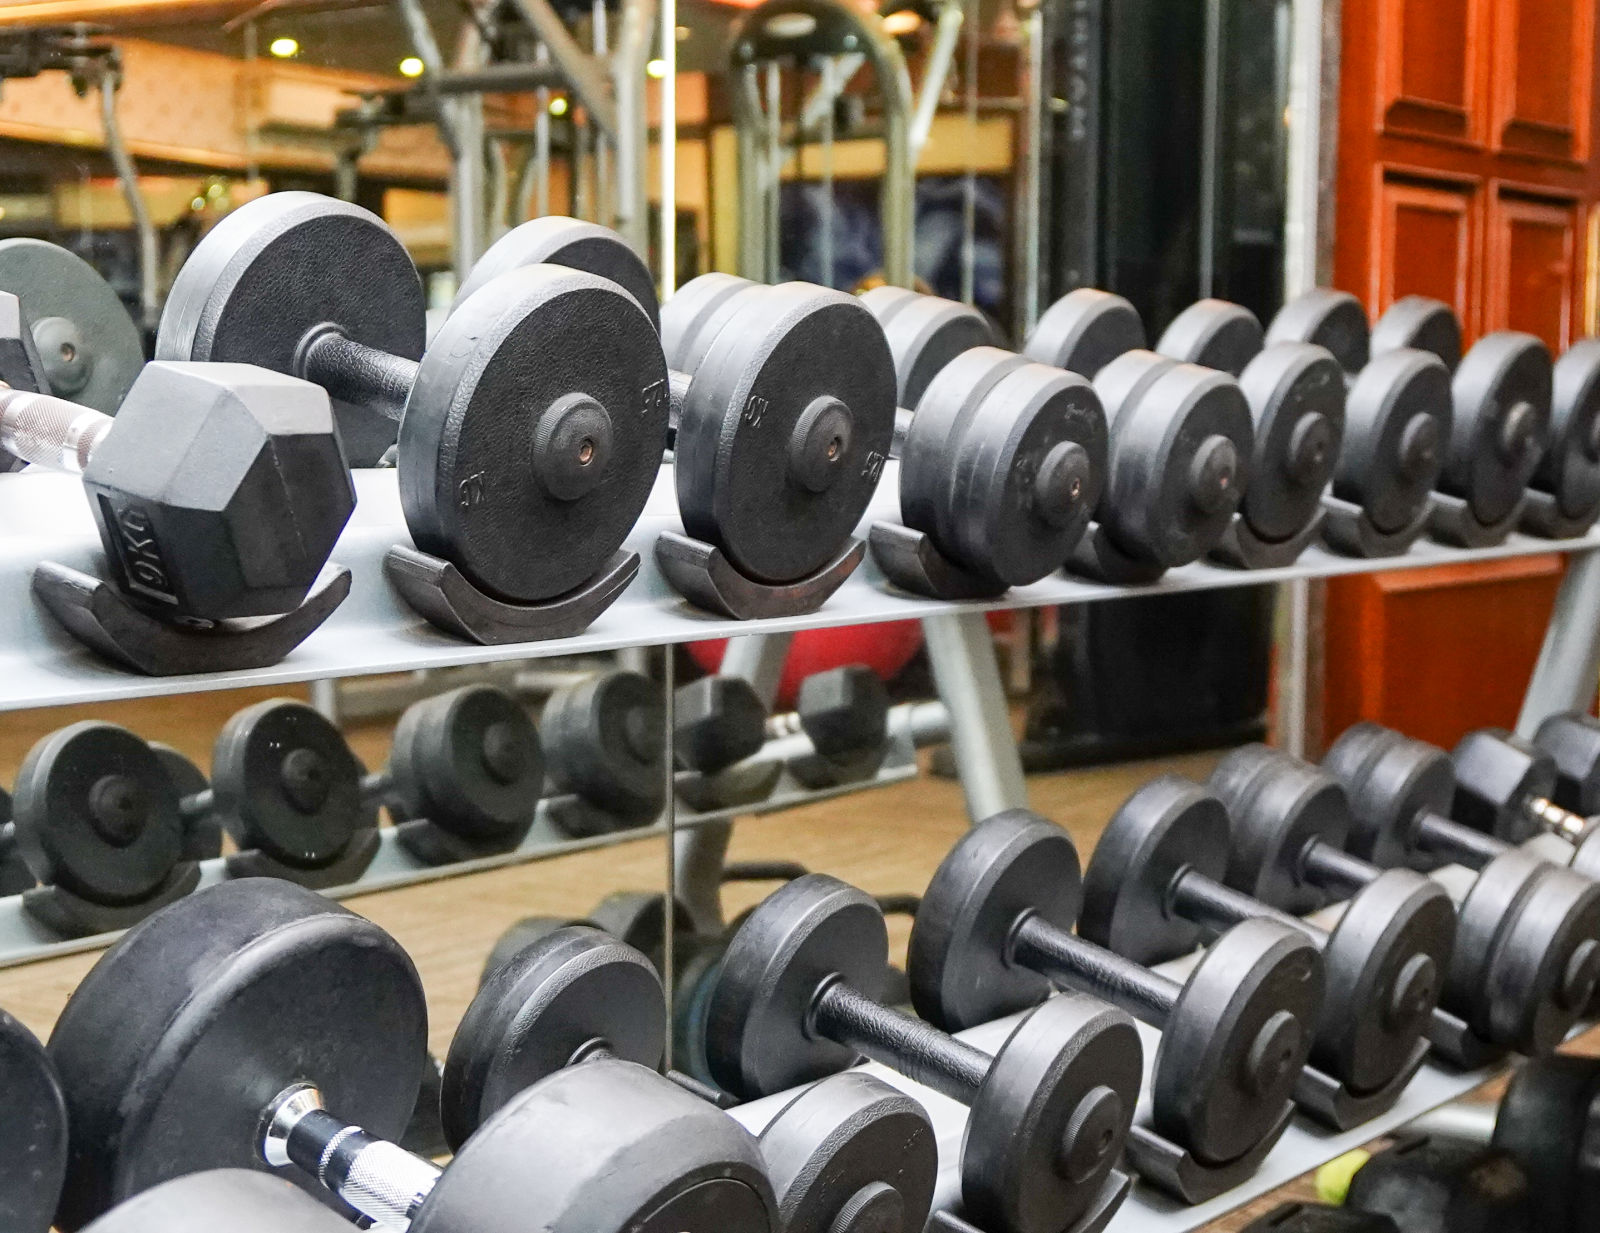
x=97 y=815
x=763 y=470
x=925 y=333
x=534 y=432
x=192 y=1023
x=573 y=988
x=1421 y=324
x=33 y=1132
x=1535 y=1004
x=1546 y=1122
x=1333 y=320
x=1084 y=331
x=521 y=935
x=694 y=315
x=1499 y=422
x=569 y=242
x=1297 y=394
x=604 y=739
x=1397 y=425
x=202 y=835
x=283 y=265
x=469 y=759
x=89 y=345
x=1570 y=467
x=1213 y=334
x=640 y=920
x=233 y=1199
x=1390 y=781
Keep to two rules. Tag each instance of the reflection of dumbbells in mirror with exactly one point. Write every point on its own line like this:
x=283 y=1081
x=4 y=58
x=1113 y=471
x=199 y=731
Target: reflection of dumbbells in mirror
x=1527 y=950
x=529 y=433
x=1155 y=891
x=295 y=991
x=605 y=741
x=219 y=491
x=850 y=1155
x=994 y=935
x=844 y=713
x=1002 y=460
x=796 y=998
x=33 y=1132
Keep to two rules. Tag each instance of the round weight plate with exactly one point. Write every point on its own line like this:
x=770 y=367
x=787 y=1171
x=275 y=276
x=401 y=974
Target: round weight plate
x=805 y=932
x=1179 y=465
x=1570 y=467
x=96 y=814
x=538 y=417
x=1333 y=320
x=604 y=739
x=785 y=430
x=1277 y=807
x=692 y=317
x=1213 y=334
x=1084 y=331
x=1546 y=964
x=1051 y=1117
x=1420 y=324
x=573 y=990
x=604 y=1147
x=1385 y=965
x=1296 y=396
x=469 y=761
x=1168 y=827
x=1009 y=865
x=566 y=242
x=1547 y=1121
x=232 y=1199
x=1397 y=425
x=202 y=829
x=33 y=1132
x=1233 y=1045
x=1500 y=419
x=1489 y=907
x=89 y=345
x=518 y=937
x=851 y=1143
x=1391 y=780
x=186 y=1030
x=640 y=920
x=287 y=784
x=278 y=268
x=924 y=334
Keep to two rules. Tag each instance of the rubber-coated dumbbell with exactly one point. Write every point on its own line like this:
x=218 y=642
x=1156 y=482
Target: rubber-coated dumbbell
x=219 y=489
x=1431 y=1184
x=605 y=742
x=1155 y=891
x=851 y=1156
x=1564 y=493
x=265 y=979
x=1506 y=786
x=1319 y=1218
x=202 y=833
x=233 y=1199
x=1572 y=739
x=718 y=723
x=1002 y=460
x=994 y=935
x=15 y=876
x=88 y=345
x=796 y=999
x=844 y=713
x=1528 y=934
x=33 y=1132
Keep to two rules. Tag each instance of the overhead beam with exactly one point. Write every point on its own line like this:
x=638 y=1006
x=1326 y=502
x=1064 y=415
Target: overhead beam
x=113 y=12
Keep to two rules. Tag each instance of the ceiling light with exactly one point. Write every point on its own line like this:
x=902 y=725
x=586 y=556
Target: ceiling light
x=411 y=66
x=284 y=48
x=558 y=105
x=656 y=68
x=903 y=22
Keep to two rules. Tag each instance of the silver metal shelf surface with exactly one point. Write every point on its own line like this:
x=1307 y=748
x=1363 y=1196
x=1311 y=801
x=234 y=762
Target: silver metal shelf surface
x=45 y=516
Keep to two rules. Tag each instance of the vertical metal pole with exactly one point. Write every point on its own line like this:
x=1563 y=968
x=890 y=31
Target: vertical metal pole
x=1030 y=180
x=600 y=38
x=541 y=142
x=325 y=699
x=1569 y=661
x=969 y=182
x=668 y=245
x=774 y=113
x=1210 y=145
x=961 y=650
x=669 y=819
x=128 y=177
x=826 y=70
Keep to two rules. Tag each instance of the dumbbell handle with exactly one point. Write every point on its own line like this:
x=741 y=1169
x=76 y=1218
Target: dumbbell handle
x=1217 y=908
x=50 y=431
x=1549 y=816
x=381 y=1180
x=907 y=1045
x=1450 y=839
x=1067 y=959
x=1335 y=870
x=351 y=371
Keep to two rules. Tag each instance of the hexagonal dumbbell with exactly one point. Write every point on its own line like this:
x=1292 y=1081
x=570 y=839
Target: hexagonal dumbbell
x=219 y=491
x=1572 y=739
x=718 y=722
x=605 y=738
x=1507 y=787
x=844 y=713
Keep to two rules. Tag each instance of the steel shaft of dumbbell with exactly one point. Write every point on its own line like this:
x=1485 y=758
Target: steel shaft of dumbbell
x=1337 y=871
x=354 y=372
x=1068 y=960
x=1454 y=841
x=50 y=431
x=1217 y=908
x=381 y=1180
x=1556 y=820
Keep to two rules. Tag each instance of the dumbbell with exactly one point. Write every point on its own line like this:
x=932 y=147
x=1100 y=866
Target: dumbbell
x=1572 y=740
x=15 y=876
x=718 y=723
x=850 y=1155
x=1564 y=493
x=844 y=713
x=202 y=832
x=88 y=345
x=925 y=334
x=233 y=1199
x=994 y=935
x=1526 y=940
x=212 y=1036
x=1319 y=1218
x=33 y=1131
x=536 y=418
x=219 y=490
x=796 y=999
x=605 y=742
x=1505 y=786
x=1155 y=891
x=1431 y=1184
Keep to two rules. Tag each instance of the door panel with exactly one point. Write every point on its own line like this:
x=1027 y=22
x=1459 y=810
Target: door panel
x=1532 y=267
x=1425 y=243
x=1426 y=75
x=1543 y=58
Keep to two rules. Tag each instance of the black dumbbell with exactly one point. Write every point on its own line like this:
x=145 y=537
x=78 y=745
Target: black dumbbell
x=33 y=1132
x=536 y=418
x=718 y=722
x=202 y=832
x=1564 y=494
x=232 y=1199
x=1437 y=1185
x=605 y=741
x=796 y=999
x=1155 y=891
x=219 y=489
x=925 y=334
x=265 y=979
x=844 y=713
x=994 y=935
x=1506 y=787
x=1319 y=1218
x=1528 y=934
x=1572 y=739
x=638 y=919
x=853 y=1155
x=15 y=876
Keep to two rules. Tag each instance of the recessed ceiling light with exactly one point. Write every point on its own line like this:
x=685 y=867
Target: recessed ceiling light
x=284 y=48
x=558 y=105
x=656 y=68
x=411 y=66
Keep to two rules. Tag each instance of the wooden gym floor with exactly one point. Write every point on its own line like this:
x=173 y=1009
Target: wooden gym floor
x=884 y=841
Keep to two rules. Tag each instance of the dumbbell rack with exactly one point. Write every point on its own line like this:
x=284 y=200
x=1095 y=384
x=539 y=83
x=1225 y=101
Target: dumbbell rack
x=45 y=517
